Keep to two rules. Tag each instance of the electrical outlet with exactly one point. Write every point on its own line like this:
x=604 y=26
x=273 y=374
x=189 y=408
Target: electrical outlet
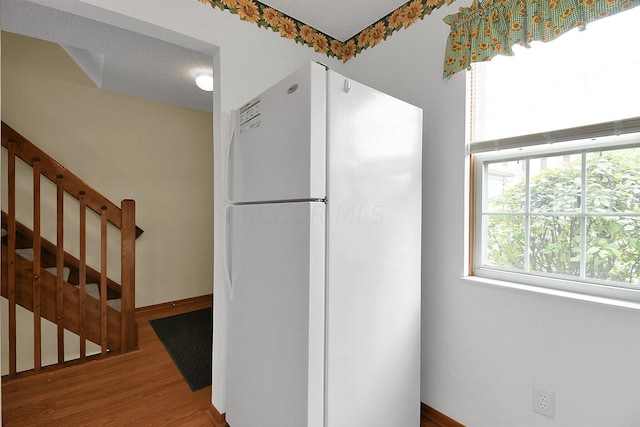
x=543 y=401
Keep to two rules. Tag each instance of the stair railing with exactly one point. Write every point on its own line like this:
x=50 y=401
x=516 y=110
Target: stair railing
x=122 y=218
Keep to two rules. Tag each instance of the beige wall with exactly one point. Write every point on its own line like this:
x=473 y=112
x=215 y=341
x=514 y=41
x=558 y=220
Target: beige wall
x=157 y=154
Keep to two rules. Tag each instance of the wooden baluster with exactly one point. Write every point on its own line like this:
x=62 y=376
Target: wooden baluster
x=11 y=253
x=122 y=218
x=128 y=340
x=82 y=277
x=37 y=244
x=103 y=280
x=60 y=267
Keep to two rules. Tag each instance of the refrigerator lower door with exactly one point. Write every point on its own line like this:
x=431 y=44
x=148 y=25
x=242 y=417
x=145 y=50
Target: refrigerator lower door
x=276 y=317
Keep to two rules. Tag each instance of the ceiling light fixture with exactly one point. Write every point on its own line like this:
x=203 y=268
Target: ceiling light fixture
x=205 y=81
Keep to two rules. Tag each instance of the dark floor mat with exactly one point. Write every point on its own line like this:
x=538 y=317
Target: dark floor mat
x=188 y=339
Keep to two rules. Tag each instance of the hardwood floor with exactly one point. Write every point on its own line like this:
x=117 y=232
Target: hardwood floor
x=142 y=388
x=430 y=417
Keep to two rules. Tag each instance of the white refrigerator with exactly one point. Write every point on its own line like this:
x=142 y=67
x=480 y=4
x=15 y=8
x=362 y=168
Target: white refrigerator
x=322 y=256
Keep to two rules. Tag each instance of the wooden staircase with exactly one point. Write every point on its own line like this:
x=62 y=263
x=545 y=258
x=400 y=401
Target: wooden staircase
x=42 y=277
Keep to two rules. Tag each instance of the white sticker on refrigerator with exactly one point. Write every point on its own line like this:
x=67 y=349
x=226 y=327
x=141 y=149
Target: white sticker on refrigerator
x=250 y=116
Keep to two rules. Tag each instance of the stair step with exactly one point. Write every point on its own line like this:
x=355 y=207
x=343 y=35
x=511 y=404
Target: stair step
x=65 y=272
x=93 y=290
x=26 y=253
x=115 y=303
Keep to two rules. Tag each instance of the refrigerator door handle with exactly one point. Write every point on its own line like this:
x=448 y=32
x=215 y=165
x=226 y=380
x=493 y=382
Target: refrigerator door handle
x=228 y=165
x=226 y=252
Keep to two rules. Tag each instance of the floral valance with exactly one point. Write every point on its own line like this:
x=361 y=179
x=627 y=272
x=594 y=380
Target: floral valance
x=267 y=17
x=491 y=27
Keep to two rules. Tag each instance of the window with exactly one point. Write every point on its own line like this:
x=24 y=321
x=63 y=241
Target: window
x=555 y=140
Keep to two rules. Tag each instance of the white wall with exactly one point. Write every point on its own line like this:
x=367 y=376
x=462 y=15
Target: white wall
x=482 y=346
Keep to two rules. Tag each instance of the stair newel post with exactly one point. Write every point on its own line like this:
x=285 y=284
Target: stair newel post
x=37 y=244
x=82 y=276
x=60 y=265
x=11 y=254
x=103 y=280
x=128 y=339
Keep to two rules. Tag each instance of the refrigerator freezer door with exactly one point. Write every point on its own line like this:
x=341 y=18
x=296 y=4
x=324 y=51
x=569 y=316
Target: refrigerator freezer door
x=276 y=317
x=373 y=258
x=278 y=148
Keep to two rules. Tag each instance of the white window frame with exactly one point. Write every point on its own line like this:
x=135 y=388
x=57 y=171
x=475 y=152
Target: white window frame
x=622 y=132
x=589 y=289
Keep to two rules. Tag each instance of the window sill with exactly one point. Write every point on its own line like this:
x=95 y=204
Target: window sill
x=555 y=292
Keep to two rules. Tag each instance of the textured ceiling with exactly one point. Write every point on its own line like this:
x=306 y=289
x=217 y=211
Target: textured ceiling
x=129 y=63
x=116 y=60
